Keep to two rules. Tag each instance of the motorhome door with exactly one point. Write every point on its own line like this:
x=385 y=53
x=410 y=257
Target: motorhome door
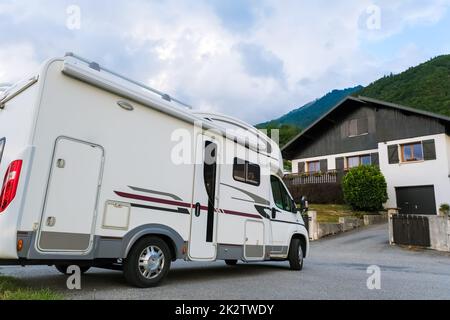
x=202 y=244
x=71 y=200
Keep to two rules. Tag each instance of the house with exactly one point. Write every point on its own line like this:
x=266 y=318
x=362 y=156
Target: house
x=411 y=147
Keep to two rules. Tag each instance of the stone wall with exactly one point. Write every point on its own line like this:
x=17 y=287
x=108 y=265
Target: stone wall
x=319 y=230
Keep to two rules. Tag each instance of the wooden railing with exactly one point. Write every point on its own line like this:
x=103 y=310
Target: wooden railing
x=314 y=178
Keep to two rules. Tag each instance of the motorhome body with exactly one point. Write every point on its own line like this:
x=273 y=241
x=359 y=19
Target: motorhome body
x=90 y=179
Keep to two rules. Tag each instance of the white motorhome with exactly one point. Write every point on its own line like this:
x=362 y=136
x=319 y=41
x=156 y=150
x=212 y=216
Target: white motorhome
x=94 y=176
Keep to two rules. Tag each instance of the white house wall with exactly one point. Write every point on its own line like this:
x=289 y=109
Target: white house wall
x=331 y=159
x=422 y=173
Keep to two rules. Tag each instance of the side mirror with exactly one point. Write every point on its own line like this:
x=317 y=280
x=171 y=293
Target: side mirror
x=274 y=213
x=294 y=207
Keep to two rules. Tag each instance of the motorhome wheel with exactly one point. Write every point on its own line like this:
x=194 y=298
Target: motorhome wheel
x=296 y=255
x=147 y=263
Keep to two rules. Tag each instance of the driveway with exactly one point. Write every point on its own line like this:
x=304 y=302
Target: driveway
x=336 y=269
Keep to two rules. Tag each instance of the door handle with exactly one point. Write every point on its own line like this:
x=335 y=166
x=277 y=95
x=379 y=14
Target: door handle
x=197 y=209
x=274 y=213
x=51 y=221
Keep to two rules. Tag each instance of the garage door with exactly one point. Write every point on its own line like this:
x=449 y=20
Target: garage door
x=416 y=200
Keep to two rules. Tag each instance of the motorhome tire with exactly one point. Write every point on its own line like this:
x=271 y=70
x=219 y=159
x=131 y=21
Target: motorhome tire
x=231 y=262
x=63 y=268
x=147 y=263
x=296 y=255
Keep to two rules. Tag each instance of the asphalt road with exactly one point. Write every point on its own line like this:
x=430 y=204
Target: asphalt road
x=336 y=269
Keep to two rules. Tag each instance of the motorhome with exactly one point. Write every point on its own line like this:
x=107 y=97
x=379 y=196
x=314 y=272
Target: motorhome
x=103 y=171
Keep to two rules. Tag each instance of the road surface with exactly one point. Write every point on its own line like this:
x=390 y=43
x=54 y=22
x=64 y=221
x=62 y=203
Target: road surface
x=336 y=269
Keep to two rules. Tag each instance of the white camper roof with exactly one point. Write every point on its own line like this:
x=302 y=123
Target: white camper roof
x=92 y=73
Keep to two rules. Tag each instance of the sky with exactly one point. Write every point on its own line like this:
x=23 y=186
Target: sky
x=252 y=59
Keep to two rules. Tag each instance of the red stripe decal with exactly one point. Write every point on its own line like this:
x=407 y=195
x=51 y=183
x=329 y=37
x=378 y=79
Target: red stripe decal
x=151 y=199
x=181 y=204
x=235 y=213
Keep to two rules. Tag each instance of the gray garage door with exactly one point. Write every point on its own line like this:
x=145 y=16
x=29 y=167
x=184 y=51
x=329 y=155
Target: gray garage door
x=416 y=200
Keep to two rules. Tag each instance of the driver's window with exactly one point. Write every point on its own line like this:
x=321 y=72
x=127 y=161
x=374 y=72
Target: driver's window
x=276 y=191
x=281 y=197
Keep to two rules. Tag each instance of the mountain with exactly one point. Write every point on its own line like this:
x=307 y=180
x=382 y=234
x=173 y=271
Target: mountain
x=306 y=115
x=425 y=87
x=292 y=123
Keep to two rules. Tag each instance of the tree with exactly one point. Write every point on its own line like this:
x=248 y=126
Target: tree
x=365 y=188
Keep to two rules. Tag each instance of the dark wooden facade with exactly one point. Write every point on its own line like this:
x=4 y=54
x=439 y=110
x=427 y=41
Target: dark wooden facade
x=377 y=122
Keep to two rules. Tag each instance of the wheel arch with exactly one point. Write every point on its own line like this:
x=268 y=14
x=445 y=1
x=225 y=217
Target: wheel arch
x=303 y=242
x=173 y=239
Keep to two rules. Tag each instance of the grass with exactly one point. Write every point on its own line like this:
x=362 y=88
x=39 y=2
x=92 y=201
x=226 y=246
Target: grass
x=330 y=213
x=13 y=289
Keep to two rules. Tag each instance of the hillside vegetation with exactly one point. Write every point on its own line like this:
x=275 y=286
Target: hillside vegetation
x=425 y=87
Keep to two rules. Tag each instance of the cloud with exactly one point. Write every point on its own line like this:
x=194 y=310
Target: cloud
x=251 y=59
x=21 y=62
x=259 y=62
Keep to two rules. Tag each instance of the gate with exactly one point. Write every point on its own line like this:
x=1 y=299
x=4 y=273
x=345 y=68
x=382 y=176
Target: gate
x=411 y=230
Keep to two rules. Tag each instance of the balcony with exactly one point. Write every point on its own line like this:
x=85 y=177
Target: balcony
x=333 y=176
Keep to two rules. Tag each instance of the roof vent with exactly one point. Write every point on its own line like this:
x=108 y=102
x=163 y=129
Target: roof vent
x=166 y=97
x=95 y=66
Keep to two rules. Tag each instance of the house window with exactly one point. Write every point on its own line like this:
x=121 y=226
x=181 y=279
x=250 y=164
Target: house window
x=313 y=166
x=412 y=152
x=358 y=127
x=357 y=161
x=366 y=160
x=246 y=172
x=352 y=162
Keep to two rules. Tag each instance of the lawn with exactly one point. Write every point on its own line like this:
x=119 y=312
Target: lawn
x=332 y=212
x=13 y=289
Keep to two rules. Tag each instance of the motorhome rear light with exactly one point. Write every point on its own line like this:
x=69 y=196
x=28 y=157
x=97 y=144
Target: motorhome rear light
x=10 y=184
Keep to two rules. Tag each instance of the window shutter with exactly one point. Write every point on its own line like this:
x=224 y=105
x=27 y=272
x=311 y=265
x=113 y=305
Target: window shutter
x=324 y=165
x=375 y=159
x=393 y=154
x=363 y=126
x=301 y=167
x=344 y=130
x=429 y=150
x=353 y=128
x=340 y=164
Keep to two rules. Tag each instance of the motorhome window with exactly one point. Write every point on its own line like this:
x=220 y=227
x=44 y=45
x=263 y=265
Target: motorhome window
x=253 y=173
x=239 y=170
x=246 y=172
x=281 y=197
x=276 y=191
x=287 y=201
x=2 y=146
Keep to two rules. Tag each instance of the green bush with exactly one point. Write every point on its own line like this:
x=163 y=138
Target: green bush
x=364 y=188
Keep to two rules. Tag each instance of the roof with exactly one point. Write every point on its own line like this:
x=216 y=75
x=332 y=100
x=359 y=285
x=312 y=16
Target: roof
x=361 y=100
